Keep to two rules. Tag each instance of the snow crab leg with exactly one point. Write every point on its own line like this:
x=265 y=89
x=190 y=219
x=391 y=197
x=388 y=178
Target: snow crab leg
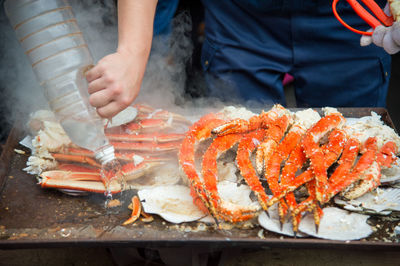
x=152 y=138
x=75 y=158
x=131 y=171
x=77 y=179
x=149 y=119
x=147 y=112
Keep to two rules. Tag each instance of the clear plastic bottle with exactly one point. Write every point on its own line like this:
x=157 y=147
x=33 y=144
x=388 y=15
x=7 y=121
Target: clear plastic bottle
x=50 y=36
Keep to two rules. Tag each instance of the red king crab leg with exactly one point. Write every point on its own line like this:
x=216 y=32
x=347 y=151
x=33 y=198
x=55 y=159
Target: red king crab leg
x=366 y=174
x=346 y=161
x=219 y=208
x=289 y=182
x=251 y=141
x=264 y=120
x=274 y=134
x=332 y=151
x=198 y=132
x=246 y=147
x=311 y=144
x=295 y=161
x=273 y=167
x=346 y=164
x=338 y=180
x=387 y=154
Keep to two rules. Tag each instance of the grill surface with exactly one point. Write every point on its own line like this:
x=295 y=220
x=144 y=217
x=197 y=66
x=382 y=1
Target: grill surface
x=31 y=216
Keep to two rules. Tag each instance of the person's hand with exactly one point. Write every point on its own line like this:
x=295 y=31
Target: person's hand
x=115 y=82
x=386 y=37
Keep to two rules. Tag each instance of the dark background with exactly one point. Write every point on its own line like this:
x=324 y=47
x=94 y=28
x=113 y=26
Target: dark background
x=393 y=98
x=194 y=84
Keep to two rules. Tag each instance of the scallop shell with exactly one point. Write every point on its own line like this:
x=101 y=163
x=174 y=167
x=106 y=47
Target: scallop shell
x=175 y=204
x=232 y=112
x=227 y=171
x=337 y=224
x=172 y=202
x=372 y=126
x=397 y=230
x=380 y=201
x=391 y=175
x=168 y=174
x=238 y=195
x=272 y=223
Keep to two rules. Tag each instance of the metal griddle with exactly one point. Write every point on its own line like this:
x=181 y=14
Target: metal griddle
x=31 y=216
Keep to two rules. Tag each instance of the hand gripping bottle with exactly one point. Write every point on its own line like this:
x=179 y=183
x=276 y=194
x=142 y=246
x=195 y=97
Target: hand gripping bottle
x=49 y=34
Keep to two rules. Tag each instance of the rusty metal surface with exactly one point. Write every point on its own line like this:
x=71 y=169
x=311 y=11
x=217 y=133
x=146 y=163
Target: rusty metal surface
x=34 y=217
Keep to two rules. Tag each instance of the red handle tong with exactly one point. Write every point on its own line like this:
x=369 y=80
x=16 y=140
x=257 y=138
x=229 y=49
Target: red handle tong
x=381 y=17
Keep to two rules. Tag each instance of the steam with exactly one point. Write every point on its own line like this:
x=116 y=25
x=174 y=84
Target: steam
x=164 y=81
x=97 y=19
x=19 y=91
x=165 y=78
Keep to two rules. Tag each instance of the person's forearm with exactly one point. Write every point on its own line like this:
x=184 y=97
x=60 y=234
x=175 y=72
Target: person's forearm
x=115 y=81
x=135 y=26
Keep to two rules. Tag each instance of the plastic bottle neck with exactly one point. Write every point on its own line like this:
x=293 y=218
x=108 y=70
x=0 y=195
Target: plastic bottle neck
x=105 y=154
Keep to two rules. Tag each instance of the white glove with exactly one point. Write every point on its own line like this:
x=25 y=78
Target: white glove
x=386 y=37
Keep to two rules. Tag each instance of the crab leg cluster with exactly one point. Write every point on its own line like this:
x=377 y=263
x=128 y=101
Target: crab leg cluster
x=292 y=151
x=143 y=144
x=248 y=135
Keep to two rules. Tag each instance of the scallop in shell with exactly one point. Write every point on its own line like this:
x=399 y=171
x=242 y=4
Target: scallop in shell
x=380 y=201
x=175 y=204
x=372 y=126
x=337 y=224
x=236 y=194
